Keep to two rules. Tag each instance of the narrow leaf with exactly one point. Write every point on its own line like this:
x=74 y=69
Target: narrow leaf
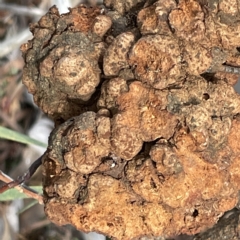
x=13 y=193
x=19 y=137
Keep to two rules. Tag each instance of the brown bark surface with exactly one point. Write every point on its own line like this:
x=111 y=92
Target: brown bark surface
x=147 y=129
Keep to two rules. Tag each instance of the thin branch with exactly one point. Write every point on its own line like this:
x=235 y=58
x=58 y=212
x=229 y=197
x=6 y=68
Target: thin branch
x=15 y=42
x=22 y=10
x=10 y=183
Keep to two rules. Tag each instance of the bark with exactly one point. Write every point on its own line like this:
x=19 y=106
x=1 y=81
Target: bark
x=147 y=120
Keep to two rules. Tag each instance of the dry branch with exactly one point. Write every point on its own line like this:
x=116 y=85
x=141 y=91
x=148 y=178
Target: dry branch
x=10 y=183
x=22 y=10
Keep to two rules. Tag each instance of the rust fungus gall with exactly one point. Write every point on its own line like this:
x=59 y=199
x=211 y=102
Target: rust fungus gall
x=147 y=120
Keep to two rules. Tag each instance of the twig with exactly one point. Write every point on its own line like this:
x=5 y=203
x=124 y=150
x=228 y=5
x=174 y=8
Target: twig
x=22 y=10
x=10 y=183
x=10 y=44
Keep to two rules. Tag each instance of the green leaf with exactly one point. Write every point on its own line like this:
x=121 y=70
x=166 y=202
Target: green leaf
x=13 y=193
x=19 y=137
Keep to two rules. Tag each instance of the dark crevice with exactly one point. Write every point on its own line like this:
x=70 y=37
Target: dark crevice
x=195 y=213
x=206 y=96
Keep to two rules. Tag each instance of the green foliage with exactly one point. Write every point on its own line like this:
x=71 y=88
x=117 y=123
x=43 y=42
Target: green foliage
x=13 y=193
x=19 y=137
x=6 y=133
